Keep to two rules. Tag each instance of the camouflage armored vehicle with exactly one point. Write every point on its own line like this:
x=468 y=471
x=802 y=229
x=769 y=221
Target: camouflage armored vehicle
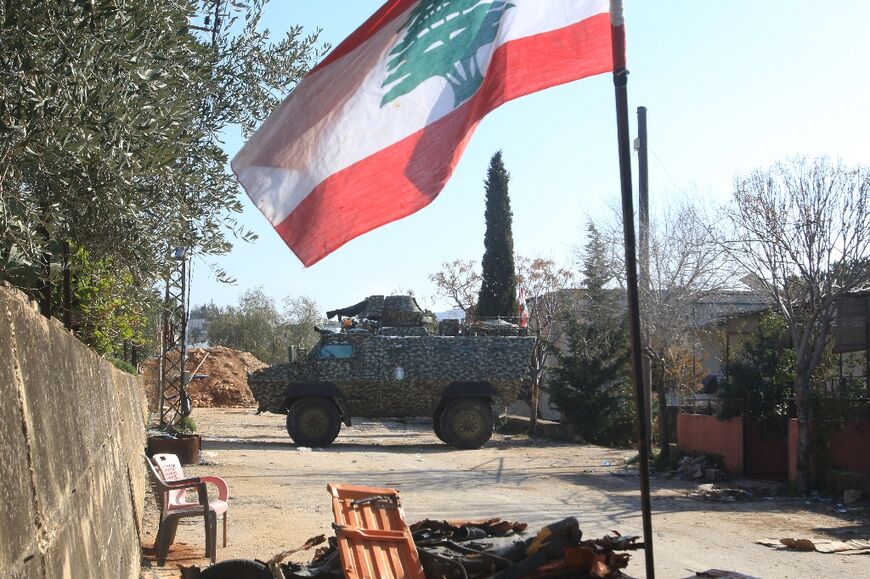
x=396 y=372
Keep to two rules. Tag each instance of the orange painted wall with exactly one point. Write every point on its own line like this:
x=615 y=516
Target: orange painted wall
x=707 y=434
x=850 y=447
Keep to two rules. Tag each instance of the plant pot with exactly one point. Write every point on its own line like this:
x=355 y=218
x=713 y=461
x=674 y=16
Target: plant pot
x=185 y=446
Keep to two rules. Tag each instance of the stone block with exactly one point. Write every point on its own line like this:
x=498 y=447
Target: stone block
x=852 y=496
x=73 y=545
x=17 y=528
x=96 y=531
x=27 y=568
x=95 y=403
x=130 y=435
x=51 y=404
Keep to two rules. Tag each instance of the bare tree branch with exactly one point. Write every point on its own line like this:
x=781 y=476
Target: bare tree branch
x=802 y=229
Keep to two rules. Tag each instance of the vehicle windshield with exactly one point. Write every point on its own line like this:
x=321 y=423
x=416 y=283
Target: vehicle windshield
x=335 y=351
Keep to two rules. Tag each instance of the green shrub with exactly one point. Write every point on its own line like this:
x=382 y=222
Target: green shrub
x=760 y=380
x=185 y=426
x=122 y=365
x=590 y=384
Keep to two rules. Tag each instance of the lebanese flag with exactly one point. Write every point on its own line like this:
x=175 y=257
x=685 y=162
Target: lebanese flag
x=522 y=309
x=373 y=133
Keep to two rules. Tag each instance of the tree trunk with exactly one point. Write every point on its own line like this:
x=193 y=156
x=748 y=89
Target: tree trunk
x=536 y=395
x=664 y=426
x=67 y=288
x=803 y=403
x=538 y=355
x=647 y=366
x=44 y=285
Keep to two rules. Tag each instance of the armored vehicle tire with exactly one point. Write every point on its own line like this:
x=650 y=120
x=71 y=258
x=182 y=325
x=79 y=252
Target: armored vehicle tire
x=436 y=420
x=466 y=423
x=313 y=421
x=436 y=425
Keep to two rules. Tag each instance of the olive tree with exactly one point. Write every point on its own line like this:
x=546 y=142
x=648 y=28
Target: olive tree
x=256 y=324
x=301 y=315
x=112 y=116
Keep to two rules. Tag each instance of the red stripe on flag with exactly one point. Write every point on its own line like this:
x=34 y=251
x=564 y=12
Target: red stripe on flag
x=386 y=14
x=405 y=177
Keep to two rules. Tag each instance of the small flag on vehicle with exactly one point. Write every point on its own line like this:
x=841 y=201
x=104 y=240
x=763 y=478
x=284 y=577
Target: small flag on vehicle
x=523 y=310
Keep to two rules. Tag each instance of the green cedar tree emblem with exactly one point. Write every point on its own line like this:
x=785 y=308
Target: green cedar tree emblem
x=442 y=38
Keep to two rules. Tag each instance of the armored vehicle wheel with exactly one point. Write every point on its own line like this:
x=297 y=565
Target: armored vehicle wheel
x=466 y=423
x=436 y=425
x=313 y=422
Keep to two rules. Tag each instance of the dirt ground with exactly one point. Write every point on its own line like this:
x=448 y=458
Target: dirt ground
x=278 y=497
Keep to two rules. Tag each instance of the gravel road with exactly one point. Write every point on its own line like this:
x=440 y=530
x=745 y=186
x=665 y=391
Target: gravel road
x=278 y=497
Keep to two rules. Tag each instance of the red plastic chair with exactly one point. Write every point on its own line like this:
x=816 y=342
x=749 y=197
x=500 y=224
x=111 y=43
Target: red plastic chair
x=173 y=489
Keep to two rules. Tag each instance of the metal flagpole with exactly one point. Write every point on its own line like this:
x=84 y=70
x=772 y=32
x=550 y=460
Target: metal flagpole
x=643 y=237
x=620 y=83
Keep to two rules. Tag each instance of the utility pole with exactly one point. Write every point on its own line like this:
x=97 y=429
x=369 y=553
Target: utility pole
x=640 y=145
x=174 y=401
x=173 y=376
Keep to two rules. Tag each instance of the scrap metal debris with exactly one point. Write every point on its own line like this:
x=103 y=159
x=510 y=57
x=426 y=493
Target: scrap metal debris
x=720 y=574
x=498 y=549
x=851 y=547
x=274 y=564
x=463 y=529
x=372 y=541
x=722 y=494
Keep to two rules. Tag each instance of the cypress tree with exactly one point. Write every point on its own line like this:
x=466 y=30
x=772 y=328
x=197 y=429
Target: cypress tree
x=598 y=270
x=498 y=291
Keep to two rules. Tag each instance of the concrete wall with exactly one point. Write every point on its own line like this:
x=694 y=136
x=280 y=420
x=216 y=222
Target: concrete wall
x=707 y=434
x=72 y=429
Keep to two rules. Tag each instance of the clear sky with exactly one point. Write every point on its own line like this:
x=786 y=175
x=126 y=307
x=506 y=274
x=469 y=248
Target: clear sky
x=730 y=86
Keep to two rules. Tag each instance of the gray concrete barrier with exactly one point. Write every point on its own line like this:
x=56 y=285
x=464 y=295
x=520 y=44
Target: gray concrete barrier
x=72 y=429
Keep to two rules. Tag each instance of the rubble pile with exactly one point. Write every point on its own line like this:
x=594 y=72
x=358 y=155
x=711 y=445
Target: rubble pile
x=220 y=382
x=698 y=467
x=722 y=494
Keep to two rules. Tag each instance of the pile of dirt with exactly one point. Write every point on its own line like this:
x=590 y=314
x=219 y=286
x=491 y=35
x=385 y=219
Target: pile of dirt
x=225 y=384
